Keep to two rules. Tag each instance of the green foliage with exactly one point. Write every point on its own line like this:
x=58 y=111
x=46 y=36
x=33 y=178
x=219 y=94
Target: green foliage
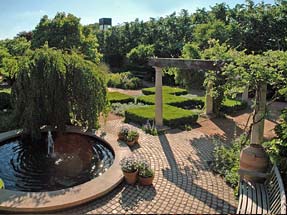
x=211 y=30
x=65 y=32
x=10 y=53
x=57 y=89
x=226 y=160
x=124 y=80
x=277 y=148
x=150 y=128
x=172 y=116
x=145 y=169
x=190 y=51
x=116 y=97
x=140 y=54
x=165 y=90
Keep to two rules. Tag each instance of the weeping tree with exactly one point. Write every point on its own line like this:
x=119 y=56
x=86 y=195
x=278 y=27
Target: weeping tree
x=56 y=89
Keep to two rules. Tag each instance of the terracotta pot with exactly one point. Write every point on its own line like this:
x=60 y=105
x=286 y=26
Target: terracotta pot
x=121 y=137
x=137 y=138
x=131 y=177
x=131 y=143
x=146 y=181
x=254 y=158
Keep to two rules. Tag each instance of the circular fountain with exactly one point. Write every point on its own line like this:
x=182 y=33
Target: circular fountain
x=73 y=168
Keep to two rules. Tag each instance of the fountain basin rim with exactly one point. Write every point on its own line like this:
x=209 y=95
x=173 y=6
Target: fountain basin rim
x=18 y=201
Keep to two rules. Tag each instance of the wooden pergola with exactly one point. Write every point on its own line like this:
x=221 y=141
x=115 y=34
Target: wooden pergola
x=159 y=63
x=198 y=64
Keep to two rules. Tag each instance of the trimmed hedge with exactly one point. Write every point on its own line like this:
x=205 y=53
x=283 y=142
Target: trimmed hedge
x=116 y=97
x=172 y=116
x=165 y=90
x=176 y=101
x=231 y=106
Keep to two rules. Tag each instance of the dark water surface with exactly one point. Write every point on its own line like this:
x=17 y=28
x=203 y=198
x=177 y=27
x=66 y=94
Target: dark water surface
x=26 y=167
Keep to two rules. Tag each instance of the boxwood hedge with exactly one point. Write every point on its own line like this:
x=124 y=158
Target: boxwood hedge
x=172 y=116
x=116 y=97
x=165 y=90
x=231 y=106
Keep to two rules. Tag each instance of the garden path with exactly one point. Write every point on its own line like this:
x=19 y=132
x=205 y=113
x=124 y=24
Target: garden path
x=183 y=180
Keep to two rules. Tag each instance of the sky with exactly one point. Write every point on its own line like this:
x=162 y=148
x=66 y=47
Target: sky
x=24 y=15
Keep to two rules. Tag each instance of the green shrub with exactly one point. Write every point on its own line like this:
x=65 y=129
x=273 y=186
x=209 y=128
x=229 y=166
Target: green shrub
x=5 y=100
x=124 y=80
x=231 y=106
x=166 y=90
x=226 y=160
x=172 y=100
x=116 y=97
x=277 y=148
x=172 y=116
x=140 y=54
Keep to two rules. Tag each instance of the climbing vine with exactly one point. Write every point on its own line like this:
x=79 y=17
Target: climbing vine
x=54 y=88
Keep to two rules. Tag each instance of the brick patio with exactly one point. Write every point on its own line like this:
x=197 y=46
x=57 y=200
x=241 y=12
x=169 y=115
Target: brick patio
x=183 y=181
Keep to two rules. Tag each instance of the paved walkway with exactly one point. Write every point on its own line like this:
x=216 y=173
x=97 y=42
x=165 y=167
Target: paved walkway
x=183 y=181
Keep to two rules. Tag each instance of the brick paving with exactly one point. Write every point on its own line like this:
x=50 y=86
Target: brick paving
x=183 y=180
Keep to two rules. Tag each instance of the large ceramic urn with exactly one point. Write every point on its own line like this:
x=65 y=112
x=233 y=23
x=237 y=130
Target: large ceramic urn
x=254 y=158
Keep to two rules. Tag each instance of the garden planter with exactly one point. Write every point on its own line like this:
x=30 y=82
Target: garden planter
x=137 y=139
x=131 y=177
x=131 y=143
x=146 y=181
x=121 y=137
x=254 y=158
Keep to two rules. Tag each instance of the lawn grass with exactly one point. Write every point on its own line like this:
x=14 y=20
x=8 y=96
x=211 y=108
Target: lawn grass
x=165 y=90
x=116 y=97
x=172 y=116
x=177 y=101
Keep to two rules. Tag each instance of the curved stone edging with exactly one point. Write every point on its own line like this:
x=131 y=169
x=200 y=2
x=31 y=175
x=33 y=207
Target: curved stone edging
x=17 y=201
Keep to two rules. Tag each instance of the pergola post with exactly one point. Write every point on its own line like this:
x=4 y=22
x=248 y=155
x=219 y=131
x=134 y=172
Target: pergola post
x=209 y=100
x=244 y=97
x=257 y=132
x=158 y=97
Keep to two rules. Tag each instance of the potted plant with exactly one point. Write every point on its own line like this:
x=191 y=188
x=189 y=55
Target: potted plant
x=130 y=139
x=130 y=169
x=123 y=133
x=146 y=174
x=136 y=135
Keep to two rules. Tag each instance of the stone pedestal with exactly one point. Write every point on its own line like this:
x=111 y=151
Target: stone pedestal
x=158 y=97
x=209 y=100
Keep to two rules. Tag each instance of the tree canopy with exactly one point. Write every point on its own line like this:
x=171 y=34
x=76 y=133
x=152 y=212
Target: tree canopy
x=53 y=88
x=65 y=32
